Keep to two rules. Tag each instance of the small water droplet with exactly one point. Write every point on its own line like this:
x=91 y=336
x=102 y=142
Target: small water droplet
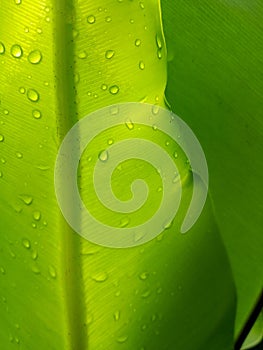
x=175 y=155
x=2 y=270
x=116 y=315
x=155 y=109
x=33 y=95
x=17 y=340
x=37 y=215
x=1 y=174
x=35 y=57
x=35 y=269
x=104 y=156
x=2 y=48
x=129 y=124
x=108 y=19
x=100 y=276
x=6 y=112
x=22 y=90
x=34 y=254
x=26 y=30
x=138 y=42
x=26 y=199
x=142 y=5
x=143 y=327
x=158 y=41
x=124 y=222
x=36 y=114
x=122 y=339
x=82 y=55
x=159 y=54
x=52 y=271
x=146 y=294
x=3 y=161
x=2 y=138
x=16 y=51
x=39 y=30
x=19 y=155
x=91 y=19
x=26 y=243
x=114 y=89
x=144 y=276
x=109 y=54
x=18 y=2
x=104 y=87
x=110 y=141
x=141 y=65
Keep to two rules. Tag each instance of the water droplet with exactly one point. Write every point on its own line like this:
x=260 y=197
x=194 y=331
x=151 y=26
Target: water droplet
x=33 y=95
x=34 y=254
x=124 y=222
x=104 y=87
x=155 y=109
x=6 y=112
x=26 y=30
x=36 y=114
x=122 y=339
x=116 y=315
x=143 y=327
x=82 y=55
x=52 y=271
x=142 y=5
x=2 y=138
x=39 y=30
x=129 y=125
x=1 y=174
x=104 y=156
x=26 y=243
x=138 y=42
x=3 y=161
x=108 y=19
x=100 y=277
x=109 y=54
x=175 y=155
x=16 y=51
x=17 y=340
x=43 y=167
x=159 y=54
x=2 y=48
x=110 y=141
x=35 y=269
x=144 y=276
x=114 y=110
x=19 y=155
x=26 y=199
x=141 y=65
x=91 y=19
x=114 y=89
x=158 y=42
x=146 y=294
x=154 y=127
x=35 y=57
x=2 y=270
x=22 y=90
x=159 y=290
x=37 y=215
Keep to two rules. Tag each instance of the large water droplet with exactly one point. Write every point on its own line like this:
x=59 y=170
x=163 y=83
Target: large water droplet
x=33 y=95
x=2 y=48
x=114 y=89
x=16 y=51
x=109 y=54
x=91 y=19
x=35 y=57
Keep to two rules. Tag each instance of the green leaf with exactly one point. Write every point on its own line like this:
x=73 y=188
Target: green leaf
x=215 y=52
x=61 y=60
